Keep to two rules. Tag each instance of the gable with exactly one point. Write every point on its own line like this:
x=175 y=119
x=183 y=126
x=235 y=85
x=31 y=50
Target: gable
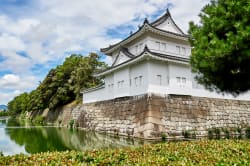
x=169 y=25
x=164 y=26
x=120 y=58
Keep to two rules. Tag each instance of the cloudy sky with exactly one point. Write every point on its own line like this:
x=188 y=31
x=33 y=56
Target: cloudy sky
x=37 y=35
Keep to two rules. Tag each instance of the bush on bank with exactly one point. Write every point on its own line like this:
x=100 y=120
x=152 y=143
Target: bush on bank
x=205 y=152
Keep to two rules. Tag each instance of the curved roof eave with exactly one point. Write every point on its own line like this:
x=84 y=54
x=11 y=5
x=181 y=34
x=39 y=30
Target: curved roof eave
x=129 y=38
x=146 y=27
x=100 y=86
x=145 y=54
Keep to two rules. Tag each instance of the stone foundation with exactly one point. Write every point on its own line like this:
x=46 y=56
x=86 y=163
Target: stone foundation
x=148 y=116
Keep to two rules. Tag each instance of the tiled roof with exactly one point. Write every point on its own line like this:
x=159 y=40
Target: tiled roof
x=147 y=27
x=146 y=52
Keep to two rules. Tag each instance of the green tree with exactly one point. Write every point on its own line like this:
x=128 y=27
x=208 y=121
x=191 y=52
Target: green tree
x=62 y=85
x=220 y=46
x=19 y=104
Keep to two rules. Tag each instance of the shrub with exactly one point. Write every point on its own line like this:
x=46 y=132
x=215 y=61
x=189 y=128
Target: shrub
x=214 y=133
x=193 y=135
x=163 y=136
x=210 y=134
x=22 y=116
x=248 y=132
x=39 y=120
x=186 y=134
x=226 y=133
x=189 y=134
x=203 y=152
x=217 y=133
x=239 y=130
x=71 y=123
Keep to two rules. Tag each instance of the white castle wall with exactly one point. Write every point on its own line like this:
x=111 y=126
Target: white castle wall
x=153 y=77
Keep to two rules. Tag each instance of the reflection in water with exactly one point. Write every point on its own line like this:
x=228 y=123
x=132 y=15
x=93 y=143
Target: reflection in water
x=42 y=139
x=8 y=147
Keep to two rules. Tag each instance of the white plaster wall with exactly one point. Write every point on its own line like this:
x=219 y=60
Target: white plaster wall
x=156 y=44
x=180 y=86
x=139 y=78
x=109 y=86
x=166 y=46
x=121 y=58
x=93 y=96
x=206 y=93
x=121 y=83
x=158 y=73
x=150 y=83
x=168 y=25
x=195 y=84
x=136 y=47
x=114 y=55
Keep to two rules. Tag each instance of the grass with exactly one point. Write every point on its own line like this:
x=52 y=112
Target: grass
x=204 y=152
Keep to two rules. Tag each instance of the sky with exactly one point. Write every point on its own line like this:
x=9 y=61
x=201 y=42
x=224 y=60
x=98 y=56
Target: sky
x=37 y=35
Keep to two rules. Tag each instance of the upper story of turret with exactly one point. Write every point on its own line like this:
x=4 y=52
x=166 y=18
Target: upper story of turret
x=162 y=36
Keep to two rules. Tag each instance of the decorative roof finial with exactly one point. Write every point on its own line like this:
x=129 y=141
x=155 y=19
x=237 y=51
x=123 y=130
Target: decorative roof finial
x=145 y=21
x=131 y=32
x=168 y=12
x=146 y=48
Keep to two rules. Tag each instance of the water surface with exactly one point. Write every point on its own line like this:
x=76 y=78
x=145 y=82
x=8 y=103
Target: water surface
x=20 y=137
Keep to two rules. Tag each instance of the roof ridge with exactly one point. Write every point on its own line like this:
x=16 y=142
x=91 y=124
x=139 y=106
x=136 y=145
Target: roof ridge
x=164 y=17
x=152 y=25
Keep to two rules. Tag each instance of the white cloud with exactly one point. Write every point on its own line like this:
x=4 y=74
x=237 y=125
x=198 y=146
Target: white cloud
x=5 y=97
x=9 y=80
x=108 y=60
x=54 y=30
x=8 y=42
x=15 y=63
x=17 y=83
x=184 y=11
x=12 y=85
x=17 y=27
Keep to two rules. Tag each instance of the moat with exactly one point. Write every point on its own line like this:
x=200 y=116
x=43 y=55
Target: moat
x=21 y=137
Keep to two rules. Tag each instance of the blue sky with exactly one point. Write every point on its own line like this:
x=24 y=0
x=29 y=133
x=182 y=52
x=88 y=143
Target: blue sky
x=37 y=35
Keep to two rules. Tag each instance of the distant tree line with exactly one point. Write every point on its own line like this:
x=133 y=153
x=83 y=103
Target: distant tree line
x=4 y=113
x=62 y=85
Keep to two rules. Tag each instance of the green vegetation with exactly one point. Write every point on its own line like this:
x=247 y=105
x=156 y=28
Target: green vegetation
x=248 y=132
x=61 y=86
x=163 y=136
x=189 y=134
x=221 y=50
x=205 y=152
x=226 y=133
x=4 y=113
x=217 y=132
x=39 y=120
x=71 y=123
x=235 y=132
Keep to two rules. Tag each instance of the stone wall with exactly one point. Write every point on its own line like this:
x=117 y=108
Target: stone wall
x=182 y=113
x=123 y=116
x=148 y=116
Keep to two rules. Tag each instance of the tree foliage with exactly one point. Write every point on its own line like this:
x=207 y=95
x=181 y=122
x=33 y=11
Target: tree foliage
x=221 y=49
x=61 y=85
